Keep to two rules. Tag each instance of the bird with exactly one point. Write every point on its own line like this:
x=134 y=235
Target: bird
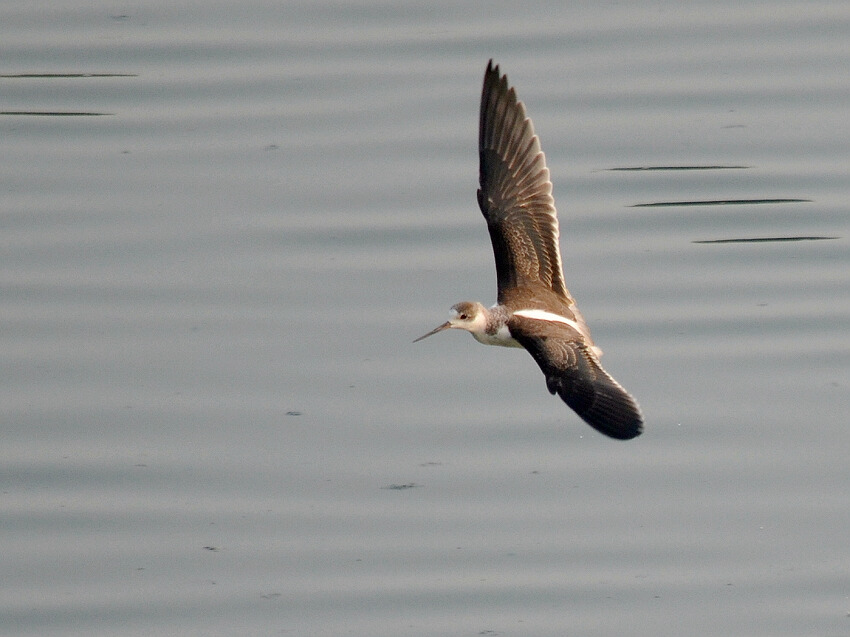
x=534 y=309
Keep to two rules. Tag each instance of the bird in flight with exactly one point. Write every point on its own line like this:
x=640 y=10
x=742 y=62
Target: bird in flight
x=534 y=309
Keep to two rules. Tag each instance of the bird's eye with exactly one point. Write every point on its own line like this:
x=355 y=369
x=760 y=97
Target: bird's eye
x=463 y=317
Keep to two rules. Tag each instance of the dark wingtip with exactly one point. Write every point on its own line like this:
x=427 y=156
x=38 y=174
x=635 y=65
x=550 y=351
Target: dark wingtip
x=615 y=414
x=602 y=403
x=493 y=75
x=621 y=421
x=619 y=431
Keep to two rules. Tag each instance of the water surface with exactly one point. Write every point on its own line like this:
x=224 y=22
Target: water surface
x=223 y=225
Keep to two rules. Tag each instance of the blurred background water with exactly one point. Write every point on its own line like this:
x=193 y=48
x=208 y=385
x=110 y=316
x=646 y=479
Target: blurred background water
x=223 y=223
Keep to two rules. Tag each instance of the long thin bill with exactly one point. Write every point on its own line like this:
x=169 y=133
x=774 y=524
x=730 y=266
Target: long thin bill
x=442 y=327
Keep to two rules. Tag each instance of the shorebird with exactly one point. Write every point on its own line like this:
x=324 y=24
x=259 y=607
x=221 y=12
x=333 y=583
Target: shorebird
x=534 y=309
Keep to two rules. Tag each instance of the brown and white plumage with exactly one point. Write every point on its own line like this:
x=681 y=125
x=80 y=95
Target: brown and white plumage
x=535 y=310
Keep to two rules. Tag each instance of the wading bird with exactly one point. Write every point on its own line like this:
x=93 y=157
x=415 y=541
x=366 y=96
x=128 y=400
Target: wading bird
x=534 y=309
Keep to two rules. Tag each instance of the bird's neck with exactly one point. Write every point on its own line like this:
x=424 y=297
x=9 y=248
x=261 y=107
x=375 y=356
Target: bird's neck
x=495 y=328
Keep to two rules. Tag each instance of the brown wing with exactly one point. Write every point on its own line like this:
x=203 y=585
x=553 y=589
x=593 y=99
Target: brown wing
x=516 y=193
x=573 y=372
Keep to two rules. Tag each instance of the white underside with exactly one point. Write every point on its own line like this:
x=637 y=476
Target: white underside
x=502 y=338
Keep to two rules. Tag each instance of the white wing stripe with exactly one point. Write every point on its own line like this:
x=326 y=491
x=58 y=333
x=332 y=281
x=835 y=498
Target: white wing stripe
x=543 y=315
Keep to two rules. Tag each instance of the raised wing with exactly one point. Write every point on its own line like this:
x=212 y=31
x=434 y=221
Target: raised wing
x=573 y=372
x=516 y=193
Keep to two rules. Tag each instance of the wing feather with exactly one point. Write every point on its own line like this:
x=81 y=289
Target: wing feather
x=515 y=196
x=574 y=372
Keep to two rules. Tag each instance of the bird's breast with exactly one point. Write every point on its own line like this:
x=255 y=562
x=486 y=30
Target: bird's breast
x=502 y=338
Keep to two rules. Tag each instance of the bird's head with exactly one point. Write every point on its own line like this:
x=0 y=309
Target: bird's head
x=467 y=315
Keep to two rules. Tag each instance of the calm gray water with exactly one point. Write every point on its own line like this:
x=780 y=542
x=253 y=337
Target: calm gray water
x=222 y=224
